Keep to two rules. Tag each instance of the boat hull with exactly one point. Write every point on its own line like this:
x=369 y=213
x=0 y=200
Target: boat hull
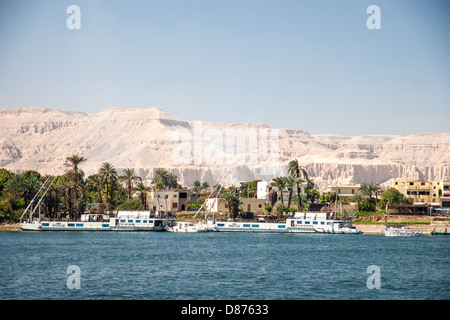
x=27 y=226
x=262 y=227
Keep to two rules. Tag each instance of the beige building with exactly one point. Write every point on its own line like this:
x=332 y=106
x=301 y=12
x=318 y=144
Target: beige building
x=168 y=200
x=423 y=191
x=247 y=205
x=345 y=190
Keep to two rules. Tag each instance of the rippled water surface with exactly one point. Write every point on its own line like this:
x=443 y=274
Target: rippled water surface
x=162 y=265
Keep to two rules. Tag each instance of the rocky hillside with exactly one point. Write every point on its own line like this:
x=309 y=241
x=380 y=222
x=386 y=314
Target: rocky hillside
x=146 y=139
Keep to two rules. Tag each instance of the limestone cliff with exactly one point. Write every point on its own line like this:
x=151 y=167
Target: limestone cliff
x=146 y=139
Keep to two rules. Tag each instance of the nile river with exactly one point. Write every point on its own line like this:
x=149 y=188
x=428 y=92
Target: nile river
x=226 y=266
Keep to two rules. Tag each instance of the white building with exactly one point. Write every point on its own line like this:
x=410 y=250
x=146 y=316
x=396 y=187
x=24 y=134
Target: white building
x=263 y=191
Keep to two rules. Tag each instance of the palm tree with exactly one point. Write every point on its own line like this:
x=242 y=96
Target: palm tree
x=75 y=173
x=280 y=183
x=142 y=189
x=205 y=185
x=109 y=176
x=172 y=180
x=197 y=186
x=232 y=200
x=97 y=180
x=129 y=177
x=358 y=198
x=295 y=169
x=160 y=178
x=370 y=188
x=164 y=179
x=292 y=181
x=273 y=196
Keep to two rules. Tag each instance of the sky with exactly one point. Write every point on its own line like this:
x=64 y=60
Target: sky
x=308 y=65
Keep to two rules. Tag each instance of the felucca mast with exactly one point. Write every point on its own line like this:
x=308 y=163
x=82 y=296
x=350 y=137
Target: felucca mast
x=31 y=202
x=220 y=184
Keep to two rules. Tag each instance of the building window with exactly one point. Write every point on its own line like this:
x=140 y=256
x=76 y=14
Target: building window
x=249 y=208
x=174 y=205
x=353 y=190
x=260 y=205
x=411 y=183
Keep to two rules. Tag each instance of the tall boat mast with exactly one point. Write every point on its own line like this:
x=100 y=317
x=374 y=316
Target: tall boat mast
x=31 y=202
x=220 y=184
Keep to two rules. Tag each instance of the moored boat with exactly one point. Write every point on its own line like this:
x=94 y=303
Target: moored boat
x=439 y=233
x=302 y=222
x=123 y=221
x=183 y=227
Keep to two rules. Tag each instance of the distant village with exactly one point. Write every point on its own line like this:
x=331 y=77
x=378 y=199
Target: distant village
x=260 y=197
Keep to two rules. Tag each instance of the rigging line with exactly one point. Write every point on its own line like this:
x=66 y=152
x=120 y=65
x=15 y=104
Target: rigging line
x=220 y=184
x=34 y=198
x=42 y=197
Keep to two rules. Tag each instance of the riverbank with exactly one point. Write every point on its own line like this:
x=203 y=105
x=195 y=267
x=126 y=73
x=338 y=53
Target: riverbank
x=368 y=225
x=10 y=227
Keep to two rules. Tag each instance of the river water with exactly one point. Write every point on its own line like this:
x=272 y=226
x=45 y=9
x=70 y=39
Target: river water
x=226 y=266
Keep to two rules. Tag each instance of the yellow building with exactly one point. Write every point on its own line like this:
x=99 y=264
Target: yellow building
x=168 y=200
x=423 y=191
x=345 y=190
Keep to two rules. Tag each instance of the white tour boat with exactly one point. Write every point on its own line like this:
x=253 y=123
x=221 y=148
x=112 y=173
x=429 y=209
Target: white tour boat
x=124 y=221
x=302 y=222
x=402 y=232
x=183 y=226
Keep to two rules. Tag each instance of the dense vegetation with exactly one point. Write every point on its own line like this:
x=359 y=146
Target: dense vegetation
x=71 y=192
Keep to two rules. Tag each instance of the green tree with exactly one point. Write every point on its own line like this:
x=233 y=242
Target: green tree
x=164 y=179
x=312 y=194
x=205 y=185
x=299 y=172
x=142 y=189
x=75 y=172
x=232 y=200
x=197 y=186
x=76 y=175
x=131 y=204
x=172 y=181
x=129 y=177
x=393 y=196
x=304 y=205
x=280 y=183
x=97 y=181
x=291 y=182
x=280 y=210
x=5 y=175
x=358 y=198
x=370 y=188
x=253 y=189
x=109 y=175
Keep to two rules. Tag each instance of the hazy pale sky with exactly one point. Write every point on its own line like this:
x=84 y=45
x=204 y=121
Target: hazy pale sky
x=307 y=65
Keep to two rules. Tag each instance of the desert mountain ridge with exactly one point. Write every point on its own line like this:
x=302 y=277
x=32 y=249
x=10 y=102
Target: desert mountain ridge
x=148 y=138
